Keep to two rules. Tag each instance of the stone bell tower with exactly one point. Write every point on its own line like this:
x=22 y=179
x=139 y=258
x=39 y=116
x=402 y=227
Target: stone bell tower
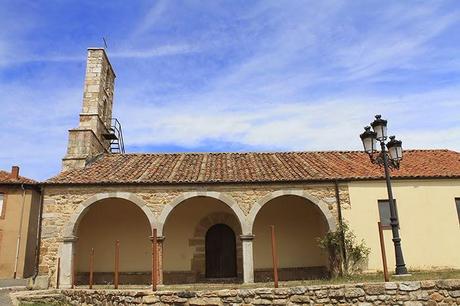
x=90 y=139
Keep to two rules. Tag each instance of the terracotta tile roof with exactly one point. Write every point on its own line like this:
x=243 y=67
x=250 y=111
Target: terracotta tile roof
x=5 y=178
x=255 y=167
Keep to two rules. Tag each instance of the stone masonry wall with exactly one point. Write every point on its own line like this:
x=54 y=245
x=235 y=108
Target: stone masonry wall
x=440 y=292
x=61 y=202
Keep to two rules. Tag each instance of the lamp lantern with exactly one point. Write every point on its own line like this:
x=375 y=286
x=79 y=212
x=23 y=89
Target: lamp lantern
x=380 y=127
x=395 y=149
x=368 y=139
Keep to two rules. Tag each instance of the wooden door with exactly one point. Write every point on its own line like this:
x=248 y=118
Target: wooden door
x=220 y=252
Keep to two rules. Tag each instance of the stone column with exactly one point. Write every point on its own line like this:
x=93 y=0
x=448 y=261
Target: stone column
x=248 y=258
x=160 y=240
x=67 y=257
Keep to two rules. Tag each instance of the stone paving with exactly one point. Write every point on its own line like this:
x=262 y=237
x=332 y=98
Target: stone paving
x=5 y=297
x=10 y=285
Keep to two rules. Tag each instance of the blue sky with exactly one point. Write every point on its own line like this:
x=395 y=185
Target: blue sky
x=230 y=75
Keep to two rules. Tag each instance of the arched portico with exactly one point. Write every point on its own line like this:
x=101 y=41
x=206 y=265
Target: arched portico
x=299 y=219
x=70 y=231
x=226 y=199
x=185 y=221
x=300 y=193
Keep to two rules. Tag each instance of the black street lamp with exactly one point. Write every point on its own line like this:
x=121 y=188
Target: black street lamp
x=389 y=157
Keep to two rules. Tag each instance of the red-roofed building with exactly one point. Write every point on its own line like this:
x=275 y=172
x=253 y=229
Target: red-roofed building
x=212 y=211
x=19 y=219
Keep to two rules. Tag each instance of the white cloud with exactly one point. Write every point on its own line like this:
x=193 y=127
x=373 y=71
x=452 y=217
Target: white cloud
x=266 y=76
x=318 y=125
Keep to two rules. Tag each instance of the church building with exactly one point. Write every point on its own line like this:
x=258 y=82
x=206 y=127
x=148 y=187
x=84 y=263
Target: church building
x=212 y=211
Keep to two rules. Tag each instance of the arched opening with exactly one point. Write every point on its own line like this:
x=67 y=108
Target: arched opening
x=220 y=252
x=298 y=225
x=185 y=231
x=102 y=224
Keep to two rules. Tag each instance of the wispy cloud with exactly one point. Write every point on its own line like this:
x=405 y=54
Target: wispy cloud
x=167 y=50
x=161 y=51
x=154 y=14
x=318 y=125
x=263 y=75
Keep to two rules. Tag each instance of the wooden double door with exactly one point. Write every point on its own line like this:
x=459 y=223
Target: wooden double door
x=220 y=252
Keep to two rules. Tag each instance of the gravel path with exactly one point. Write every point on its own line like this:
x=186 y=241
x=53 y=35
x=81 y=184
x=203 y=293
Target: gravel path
x=5 y=298
x=10 y=285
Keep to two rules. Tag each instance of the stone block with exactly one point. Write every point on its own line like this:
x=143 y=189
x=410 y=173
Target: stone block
x=299 y=290
x=261 y=302
x=391 y=286
x=246 y=293
x=419 y=295
x=232 y=300
x=172 y=299
x=226 y=293
x=300 y=299
x=427 y=284
x=205 y=301
x=263 y=291
x=351 y=292
x=279 y=301
x=283 y=291
x=455 y=293
x=186 y=294
x=321 y=294
x=449 y=284
x=374 y=289
x=150 y=299
x=41 y=282
x=436 y=296
x=409 y=286
x=413 y=303
x=337 y=293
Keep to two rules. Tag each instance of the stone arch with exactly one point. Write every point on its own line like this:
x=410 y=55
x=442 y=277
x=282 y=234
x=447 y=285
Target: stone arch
x=198 y=240
x=82 y=209
x=226 y=199
x=295 y=192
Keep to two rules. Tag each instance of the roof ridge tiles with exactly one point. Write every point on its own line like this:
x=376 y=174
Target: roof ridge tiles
x=266 y=152
x=255 y=167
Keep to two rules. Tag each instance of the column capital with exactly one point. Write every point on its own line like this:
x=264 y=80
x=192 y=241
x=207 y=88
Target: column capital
x=247 y=237
x=159 y=238
x=69 y=239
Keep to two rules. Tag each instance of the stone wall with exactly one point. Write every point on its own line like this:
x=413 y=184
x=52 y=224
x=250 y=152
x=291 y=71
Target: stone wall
x=440 y=292
x=62 y=202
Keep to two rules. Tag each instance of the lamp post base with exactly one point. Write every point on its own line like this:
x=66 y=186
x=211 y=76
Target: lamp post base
x=402 y=275
x=401 y=270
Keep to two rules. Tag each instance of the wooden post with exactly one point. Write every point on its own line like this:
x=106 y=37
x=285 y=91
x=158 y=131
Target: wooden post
x=58 y=272
x=384 y=256
x=91 y=268
x=154 y=259
x=74 y=272
x=117 y=263
x=274 y=256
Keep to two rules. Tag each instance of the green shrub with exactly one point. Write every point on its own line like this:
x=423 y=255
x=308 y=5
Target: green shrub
x=357 y=252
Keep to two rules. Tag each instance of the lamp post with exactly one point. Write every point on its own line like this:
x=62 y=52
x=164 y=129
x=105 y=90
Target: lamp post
x=389 y=156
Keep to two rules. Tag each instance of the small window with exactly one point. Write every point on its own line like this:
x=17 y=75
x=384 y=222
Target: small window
x=384 y=213
x=457 y=203
x=1 y=205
